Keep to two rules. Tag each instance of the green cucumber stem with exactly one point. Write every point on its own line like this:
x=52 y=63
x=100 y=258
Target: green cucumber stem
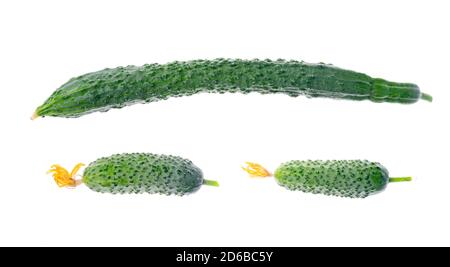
x=426 y=97
x=400 y=179
x=210 y=182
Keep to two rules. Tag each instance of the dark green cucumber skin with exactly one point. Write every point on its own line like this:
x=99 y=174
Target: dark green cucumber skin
x=122 y=86
x=143 y=172
x=343 y=178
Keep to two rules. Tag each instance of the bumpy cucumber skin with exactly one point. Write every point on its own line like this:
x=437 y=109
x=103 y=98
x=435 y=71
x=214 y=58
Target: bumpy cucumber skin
x=122 y=86
x=143 y=172
x=344 y=178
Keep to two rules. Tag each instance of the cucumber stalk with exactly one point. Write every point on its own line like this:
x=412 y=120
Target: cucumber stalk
x=210 y=182
x=400 y=179
x=426 y=97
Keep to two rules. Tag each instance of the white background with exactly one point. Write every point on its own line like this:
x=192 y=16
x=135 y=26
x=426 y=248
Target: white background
x=44 y=43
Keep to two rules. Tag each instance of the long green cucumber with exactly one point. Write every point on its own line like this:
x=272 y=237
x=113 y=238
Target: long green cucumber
x=344 y=178
x=136 y=173
x=123 y=86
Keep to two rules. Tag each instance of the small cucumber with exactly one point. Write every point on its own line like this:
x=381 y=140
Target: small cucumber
x=344 y=178
x=123 y=86
x=136 y=173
